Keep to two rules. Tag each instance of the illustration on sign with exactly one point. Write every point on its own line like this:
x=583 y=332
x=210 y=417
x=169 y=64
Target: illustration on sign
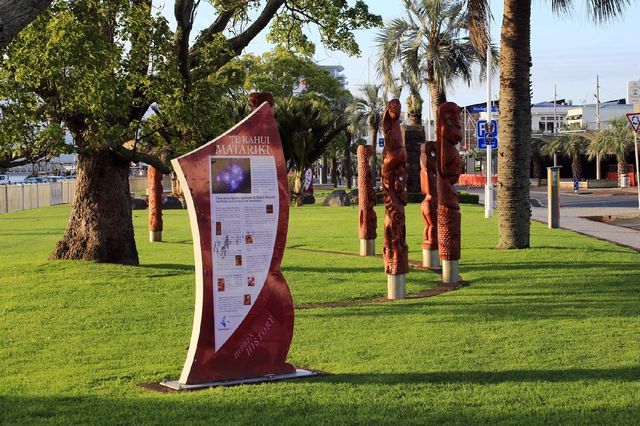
x=237 y=194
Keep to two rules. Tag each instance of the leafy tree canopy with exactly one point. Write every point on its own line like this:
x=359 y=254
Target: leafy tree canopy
x=280 y=71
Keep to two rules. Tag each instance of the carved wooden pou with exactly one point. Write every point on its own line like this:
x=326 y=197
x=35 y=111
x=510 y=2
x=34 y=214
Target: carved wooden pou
x=429 y=206
x=394 y=181
x=366 y=194
x=449 y=169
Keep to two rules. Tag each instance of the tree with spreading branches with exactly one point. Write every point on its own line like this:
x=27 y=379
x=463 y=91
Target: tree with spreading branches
x=98 y=68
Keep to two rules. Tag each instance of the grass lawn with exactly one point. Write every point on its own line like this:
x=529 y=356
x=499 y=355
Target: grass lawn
x=545 y=335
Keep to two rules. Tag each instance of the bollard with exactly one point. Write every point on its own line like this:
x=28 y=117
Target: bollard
x=553 y=196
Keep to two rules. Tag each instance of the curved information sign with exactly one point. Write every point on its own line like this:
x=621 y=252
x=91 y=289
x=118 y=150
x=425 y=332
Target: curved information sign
x=238 y=200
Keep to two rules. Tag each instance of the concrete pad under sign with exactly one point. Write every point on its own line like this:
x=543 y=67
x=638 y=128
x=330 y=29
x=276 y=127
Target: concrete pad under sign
x=299 y=373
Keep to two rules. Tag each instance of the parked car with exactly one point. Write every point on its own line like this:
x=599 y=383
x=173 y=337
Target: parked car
x=34 y=179
x=4 y=180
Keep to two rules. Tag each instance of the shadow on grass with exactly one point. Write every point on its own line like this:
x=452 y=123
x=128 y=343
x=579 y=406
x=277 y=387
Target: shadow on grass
x=445 y=309
x=170 y=266
x=557 y=268
x=629 y=374
x=347 y=399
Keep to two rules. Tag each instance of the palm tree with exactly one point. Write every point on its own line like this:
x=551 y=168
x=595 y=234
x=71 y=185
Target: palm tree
x=431 y=45
x=306 y=128
x=571 y=146
x=616 y=140
x=514 y=209
x=368 y=108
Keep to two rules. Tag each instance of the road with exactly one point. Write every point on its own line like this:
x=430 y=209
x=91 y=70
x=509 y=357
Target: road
x=593 y=198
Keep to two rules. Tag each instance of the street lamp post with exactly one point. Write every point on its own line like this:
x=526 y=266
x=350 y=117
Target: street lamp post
x=488 y=188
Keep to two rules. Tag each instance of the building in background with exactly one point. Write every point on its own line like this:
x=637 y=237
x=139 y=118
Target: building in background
x=585 y=115
x=336 y=72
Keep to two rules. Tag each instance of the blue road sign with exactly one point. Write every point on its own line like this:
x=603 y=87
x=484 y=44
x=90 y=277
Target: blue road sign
x=381 y=142
x=482 y=143
x=483 y=108
x=481 y=128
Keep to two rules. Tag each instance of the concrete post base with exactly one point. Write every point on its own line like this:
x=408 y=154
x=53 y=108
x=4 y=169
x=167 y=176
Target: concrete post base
x=450 y=271
x=367 y=247
x=430 y=259
x=396 y=286
x=155 y=236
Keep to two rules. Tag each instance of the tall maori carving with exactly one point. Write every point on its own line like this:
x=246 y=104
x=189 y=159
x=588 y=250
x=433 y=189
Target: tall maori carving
x=154 y=182
x=429 y=206
x=367 y=201
x=394 y=186
x=449 y=169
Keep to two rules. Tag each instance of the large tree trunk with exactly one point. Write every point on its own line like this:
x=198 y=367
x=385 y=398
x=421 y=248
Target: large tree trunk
x=15 y=15
x=100 y=227
x=514 y=152
x=347 y=167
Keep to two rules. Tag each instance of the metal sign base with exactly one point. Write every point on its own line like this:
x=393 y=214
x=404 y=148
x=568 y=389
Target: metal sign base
x=175 y=385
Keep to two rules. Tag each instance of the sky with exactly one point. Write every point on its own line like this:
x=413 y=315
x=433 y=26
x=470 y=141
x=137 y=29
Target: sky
x=568 y=51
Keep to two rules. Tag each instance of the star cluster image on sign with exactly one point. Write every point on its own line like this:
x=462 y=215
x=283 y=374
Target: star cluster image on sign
x=231 y=175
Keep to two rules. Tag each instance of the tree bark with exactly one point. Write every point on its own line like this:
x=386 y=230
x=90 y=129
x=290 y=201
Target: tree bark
x=100 y=227
x=413 y=136
x=334 y=171
x=514 y=153
x=347 y=168
x=17 y=14
x=576 y=166
x=154 y=183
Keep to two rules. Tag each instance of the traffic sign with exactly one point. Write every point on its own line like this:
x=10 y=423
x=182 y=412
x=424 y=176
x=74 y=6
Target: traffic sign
x=634 y=120
x=482 y=143
x=482 y=128
x=381 y=142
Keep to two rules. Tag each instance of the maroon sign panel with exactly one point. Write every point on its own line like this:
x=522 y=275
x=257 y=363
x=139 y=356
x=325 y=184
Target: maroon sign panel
x=238 y=199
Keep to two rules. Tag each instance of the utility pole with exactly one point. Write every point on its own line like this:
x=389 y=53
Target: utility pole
x=598 y=172
x=555 y=122
x=488 y=187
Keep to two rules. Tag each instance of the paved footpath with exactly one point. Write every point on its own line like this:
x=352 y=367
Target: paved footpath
x=573 y=219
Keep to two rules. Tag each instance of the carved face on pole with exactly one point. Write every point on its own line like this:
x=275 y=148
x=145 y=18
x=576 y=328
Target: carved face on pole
x=394 y=109
x=449 y=115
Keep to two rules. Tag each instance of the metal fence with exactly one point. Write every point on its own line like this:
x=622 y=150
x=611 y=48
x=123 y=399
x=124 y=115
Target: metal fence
x=14 y=198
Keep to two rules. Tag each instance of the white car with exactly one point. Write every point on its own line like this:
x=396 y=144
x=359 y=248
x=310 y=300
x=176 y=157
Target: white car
x=4 y=180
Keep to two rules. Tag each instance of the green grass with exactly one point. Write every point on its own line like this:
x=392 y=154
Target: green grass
x=545 y=335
